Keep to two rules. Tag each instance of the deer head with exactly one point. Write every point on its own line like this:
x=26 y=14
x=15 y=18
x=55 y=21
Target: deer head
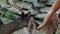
x=31 y=26
x=31 y=29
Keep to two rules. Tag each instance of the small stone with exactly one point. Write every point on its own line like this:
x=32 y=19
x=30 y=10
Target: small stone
x=50 y=2
x=42 y=0
x=58 y=11
x=32 y=11
x=40 y=15
x=30 y=1
x=36 y=5
x=45 y=9
x=4 y=6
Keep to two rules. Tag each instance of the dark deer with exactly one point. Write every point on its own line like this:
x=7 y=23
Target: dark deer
x=17 y=24
x=14 y=25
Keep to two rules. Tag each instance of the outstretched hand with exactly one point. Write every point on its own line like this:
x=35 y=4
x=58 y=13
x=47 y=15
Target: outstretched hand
x=39 y=27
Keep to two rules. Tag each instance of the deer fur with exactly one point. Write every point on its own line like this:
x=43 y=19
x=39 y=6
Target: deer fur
x=14 y=25
x=52 y=26
x=31 y=29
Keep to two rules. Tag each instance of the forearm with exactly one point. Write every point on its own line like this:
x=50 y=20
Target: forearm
x=46 y=19
x=53 y=9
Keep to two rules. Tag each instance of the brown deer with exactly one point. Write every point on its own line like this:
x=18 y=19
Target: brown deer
x=51 y=28
x=31 y=29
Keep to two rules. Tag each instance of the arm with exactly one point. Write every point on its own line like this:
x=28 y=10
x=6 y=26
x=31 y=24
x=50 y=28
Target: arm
x=53 y=9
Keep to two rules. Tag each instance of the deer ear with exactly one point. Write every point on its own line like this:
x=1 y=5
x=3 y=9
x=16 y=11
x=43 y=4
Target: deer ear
x=31 y=25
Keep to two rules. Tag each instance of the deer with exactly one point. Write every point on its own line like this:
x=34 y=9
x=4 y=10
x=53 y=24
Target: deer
x=52 y=26
x=14 y=25
x=19 y=23
x=31 y=29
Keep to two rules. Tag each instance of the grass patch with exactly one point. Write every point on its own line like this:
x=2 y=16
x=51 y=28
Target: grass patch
x=2 y=1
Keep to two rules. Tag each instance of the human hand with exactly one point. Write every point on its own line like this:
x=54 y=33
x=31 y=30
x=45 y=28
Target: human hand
x=40 y=27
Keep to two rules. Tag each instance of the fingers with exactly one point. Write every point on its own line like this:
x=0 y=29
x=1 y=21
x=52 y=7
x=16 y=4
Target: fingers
x=39 y=27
